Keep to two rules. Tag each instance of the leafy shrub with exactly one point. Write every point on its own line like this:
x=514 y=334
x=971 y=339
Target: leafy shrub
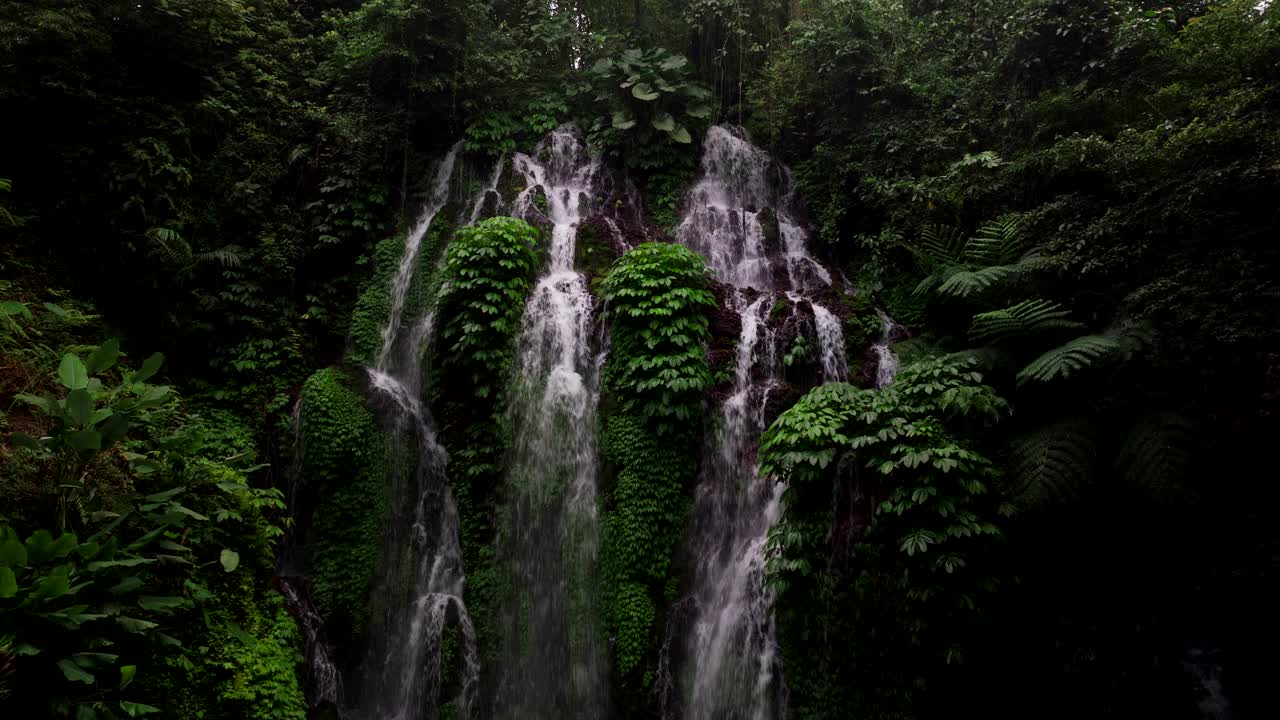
x=890 y=561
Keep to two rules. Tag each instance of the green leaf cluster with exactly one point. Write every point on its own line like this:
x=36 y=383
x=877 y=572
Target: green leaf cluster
x=659 y=299
x=891 y=561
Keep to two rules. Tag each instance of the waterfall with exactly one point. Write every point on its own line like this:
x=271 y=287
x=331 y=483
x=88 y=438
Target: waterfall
x=742 y=215
x=419 y=592
x=412 y=244
x=886 y=361
x=323 y=681
x=554 y=656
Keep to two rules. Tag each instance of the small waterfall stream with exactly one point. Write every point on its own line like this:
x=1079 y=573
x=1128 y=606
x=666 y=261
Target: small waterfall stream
x=886 y=361
x=742 y=216
x=420 y=588
x=554 y=655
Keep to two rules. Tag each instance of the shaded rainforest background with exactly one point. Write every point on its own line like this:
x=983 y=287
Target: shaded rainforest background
x=1069 y=206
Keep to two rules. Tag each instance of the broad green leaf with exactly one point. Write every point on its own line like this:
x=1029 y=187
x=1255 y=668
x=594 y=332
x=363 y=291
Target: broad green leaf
x=623 y=121
x=49 y=405
x=166 y=495
x=230 y=559
x=73 y=673
x=126 y=675
x=72 y=373
x=13 y=307
x=135 y=709
x=26 y=441
x=8 y=583
x=51 y=588
x=134 y=625
x=149 y=367
x=85 y=440
x=129 y=584
x=160 y=604
x=681 y=135
x=674 y=62
x=56 y=310
x=79 y=405
x=644 y=91
x=114 y=430
x=175 y=507
x=13 y=552
x=131 y=562
x=664 y=122
x=104 y=357
x=699 y=110
x=153 y=396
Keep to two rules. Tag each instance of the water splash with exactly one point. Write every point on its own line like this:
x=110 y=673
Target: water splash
x=555 y=662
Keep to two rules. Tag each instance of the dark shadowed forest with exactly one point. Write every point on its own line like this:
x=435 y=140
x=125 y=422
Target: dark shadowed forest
x=639 y=359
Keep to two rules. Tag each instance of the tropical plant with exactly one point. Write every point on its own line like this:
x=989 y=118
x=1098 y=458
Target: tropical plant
x=648 y=102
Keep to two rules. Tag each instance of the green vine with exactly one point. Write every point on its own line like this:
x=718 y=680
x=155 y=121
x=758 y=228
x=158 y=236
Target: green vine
x=658 y=370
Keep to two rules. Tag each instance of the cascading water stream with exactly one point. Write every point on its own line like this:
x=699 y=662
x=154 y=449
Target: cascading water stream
x=412 y=245
x=421 y=584
x=886 y=361
x=554 y=657
x=742 y=216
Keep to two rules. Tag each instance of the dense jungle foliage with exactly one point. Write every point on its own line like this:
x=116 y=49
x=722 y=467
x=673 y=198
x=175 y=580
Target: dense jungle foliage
x=1063 y=507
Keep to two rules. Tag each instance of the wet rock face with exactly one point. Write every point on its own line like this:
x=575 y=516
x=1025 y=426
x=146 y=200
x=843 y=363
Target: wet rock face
x=490 y=205
x=726 y=326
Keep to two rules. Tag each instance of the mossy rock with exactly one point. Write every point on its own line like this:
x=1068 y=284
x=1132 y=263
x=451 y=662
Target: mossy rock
x=343 y=464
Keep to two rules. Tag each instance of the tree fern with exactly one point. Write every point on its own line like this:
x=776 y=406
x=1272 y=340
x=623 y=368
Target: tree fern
x=1025 y=318
x=1052 y=463
x=1156 y=454
x=1081 y=353
x=997 y=242
x=968 y=281
x=943 y=244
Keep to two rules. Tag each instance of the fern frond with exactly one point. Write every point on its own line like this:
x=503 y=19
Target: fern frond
x=1066 y=360
x=170 y=243
x=967 y=281
x=227 y=257
x=1156 y=454
x=997 y=242
x=927 y=284
x=943 y=244
x=1052 y=463
x=1025 y=318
